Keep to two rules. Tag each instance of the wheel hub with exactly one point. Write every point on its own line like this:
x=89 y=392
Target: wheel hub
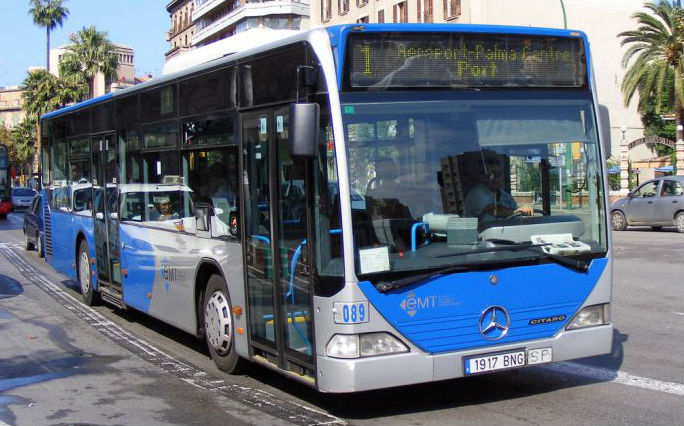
x=217 y=322
x=84 y=273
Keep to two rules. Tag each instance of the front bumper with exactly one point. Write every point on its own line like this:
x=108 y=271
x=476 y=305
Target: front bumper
x=339 y=375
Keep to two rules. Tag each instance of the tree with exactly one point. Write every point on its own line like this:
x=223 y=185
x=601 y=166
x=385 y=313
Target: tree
x=24 y=139
x=43 y=92
x=654 y=59
x=90 y=53
x=48 y=14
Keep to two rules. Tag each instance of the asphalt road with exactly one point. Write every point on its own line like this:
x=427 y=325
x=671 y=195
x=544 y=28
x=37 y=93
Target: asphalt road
x=63 y=363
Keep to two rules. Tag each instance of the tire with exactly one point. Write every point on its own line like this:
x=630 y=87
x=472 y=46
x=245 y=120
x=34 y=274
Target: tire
x=90 y=296
x=218 y=324
x=656 y=228
x=28 y=245
x=40 y=245
x=618 y=221
x=679 y=221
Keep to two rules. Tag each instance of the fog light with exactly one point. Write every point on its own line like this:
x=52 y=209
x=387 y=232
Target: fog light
x=590 y=316
x=364 y=345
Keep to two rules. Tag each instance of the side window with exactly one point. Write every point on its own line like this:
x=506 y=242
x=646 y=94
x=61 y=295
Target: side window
x=671 y=188
x=212 y=175
x=647 y=190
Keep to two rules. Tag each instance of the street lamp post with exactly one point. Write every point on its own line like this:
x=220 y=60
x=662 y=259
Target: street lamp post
x=624 y=163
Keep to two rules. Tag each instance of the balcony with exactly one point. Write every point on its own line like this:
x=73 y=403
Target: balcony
x=248 y=10
x=202 y=8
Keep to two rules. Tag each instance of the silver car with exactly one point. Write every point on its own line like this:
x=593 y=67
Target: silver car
x=22 y=197
x=656 y=203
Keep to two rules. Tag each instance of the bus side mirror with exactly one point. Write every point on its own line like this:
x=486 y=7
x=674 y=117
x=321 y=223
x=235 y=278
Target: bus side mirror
x=202 y=216
x=604 y=130
x=304 y=130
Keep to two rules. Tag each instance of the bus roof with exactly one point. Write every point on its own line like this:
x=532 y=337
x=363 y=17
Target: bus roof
x=337 y=35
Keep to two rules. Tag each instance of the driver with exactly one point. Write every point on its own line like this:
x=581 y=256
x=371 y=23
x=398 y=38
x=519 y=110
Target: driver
x=487 y=201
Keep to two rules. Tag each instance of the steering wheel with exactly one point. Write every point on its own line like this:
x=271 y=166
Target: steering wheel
x=535 y=211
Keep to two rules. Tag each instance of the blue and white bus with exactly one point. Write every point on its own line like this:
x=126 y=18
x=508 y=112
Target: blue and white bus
x=357 y=207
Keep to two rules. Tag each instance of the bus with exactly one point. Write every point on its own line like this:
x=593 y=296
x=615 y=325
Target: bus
x=5 y=183
x=311 y=205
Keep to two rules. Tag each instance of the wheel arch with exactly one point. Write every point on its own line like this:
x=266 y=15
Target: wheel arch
x=206 y=268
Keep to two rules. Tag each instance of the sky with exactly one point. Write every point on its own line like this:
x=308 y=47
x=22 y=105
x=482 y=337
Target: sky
x=141 y=24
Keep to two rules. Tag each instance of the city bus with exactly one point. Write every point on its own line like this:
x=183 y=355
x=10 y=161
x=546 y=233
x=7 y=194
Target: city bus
x=5 y=183
x=357 y=207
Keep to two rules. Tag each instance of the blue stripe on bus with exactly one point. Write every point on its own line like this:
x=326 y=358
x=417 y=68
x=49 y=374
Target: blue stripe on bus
x=443 y=314
x=77 y=106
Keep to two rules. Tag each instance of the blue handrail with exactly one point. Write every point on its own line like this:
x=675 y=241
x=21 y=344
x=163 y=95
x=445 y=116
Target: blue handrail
x=414 y=228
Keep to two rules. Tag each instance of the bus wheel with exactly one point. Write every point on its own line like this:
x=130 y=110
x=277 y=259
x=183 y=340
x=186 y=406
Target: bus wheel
x=218 y=326
x=90 y=296
x=618 y=221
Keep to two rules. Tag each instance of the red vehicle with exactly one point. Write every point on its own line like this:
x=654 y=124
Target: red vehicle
x=5 y=183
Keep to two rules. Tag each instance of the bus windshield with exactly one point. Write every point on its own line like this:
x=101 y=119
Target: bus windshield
x=441 y=177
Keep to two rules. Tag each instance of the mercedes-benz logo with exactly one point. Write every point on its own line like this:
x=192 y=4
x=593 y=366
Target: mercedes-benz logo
x=494 y=323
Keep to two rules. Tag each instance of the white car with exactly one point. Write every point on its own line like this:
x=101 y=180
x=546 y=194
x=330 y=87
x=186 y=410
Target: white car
x=22 y=197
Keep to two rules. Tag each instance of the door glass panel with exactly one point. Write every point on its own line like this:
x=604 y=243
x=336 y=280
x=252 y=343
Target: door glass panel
x=292 y=242
x=100 y=226
x=257 y=226
x=111 y=209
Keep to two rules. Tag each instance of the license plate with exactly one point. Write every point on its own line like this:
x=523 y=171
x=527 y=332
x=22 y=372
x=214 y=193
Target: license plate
x=504 y=360
x=493 y=362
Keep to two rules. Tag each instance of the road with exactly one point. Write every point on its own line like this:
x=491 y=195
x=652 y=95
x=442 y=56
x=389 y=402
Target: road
x=64 y=363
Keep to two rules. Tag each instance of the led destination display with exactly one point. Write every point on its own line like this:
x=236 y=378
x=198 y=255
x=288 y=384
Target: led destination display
x=465 y=60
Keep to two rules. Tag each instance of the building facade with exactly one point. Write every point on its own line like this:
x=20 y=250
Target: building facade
x=125 y=71
x=601 y=20
x=11 y=106
x=182 y=27
x=219 y=19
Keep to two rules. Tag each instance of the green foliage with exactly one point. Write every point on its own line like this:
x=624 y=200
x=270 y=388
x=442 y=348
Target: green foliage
x=654 y=59
x=90 y=52
x=48 y=14
x=613 y=179
x=24 y=138
x=43 y=92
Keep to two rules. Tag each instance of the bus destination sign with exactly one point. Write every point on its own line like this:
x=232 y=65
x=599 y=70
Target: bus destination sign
x=464 y=60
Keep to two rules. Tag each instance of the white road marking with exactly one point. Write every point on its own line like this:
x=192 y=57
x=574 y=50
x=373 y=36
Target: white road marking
x=607 y=375
x=289 y=410
x=681 y=314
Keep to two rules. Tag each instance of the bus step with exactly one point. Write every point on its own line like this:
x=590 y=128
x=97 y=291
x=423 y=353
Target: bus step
x=112 y=297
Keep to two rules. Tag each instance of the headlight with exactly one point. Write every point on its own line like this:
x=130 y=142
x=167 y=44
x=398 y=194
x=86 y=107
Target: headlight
x=364 y=345
x=590 y=316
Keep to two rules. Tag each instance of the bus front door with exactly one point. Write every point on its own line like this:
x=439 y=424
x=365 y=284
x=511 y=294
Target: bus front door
x=277 y=263
x=105 y=212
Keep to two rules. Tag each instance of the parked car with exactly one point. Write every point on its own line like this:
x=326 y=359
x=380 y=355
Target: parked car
x=656 y=203
x=22 y=197
x=33 y=226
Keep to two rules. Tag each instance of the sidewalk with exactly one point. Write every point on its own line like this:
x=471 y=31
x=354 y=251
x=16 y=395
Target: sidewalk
x=56 y=369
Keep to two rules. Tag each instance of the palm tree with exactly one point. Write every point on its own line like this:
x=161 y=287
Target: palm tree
x=48 y=14
x=90 y=53
x=43 y=92
x=654 y=59
x=24 y=138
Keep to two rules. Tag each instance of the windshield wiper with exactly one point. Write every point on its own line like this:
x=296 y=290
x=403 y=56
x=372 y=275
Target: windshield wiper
x=511 y=247
x=385 y=286
x=569 y=262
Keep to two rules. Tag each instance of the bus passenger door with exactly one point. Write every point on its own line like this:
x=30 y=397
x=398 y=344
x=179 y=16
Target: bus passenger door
x=105 y=210
x=277 y=265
